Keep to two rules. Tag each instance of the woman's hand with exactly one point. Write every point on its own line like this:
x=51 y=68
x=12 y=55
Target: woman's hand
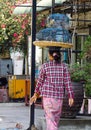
x=71 y=102
x=33 y=98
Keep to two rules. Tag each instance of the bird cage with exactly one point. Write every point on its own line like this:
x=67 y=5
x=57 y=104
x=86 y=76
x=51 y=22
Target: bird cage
x=56 y=33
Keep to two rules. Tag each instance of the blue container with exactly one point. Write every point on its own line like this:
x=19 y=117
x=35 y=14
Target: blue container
x=56 y=20
x=54 y=34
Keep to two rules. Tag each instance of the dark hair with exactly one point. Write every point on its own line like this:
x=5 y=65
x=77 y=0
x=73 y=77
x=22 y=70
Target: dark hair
x=55 y=53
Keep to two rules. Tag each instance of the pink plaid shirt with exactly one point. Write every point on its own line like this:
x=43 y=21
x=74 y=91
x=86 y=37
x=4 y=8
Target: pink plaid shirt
x=52 y=80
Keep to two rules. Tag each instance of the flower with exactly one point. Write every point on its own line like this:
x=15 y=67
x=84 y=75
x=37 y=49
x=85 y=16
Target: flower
x=15 y=35
x=13 y=28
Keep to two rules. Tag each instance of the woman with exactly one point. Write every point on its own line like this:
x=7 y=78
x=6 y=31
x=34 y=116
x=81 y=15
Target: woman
x=53 y=77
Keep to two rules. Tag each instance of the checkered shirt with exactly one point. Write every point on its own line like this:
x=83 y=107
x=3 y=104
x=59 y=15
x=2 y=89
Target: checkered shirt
x=52 y=80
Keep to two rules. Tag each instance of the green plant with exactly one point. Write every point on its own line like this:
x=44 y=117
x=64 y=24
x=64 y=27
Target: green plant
x=14 y=29
x=86 y=54
x=82 y=74
x=88 y=89
x=78 y=72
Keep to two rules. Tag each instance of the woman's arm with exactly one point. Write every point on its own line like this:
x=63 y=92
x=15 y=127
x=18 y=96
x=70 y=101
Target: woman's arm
x=38 y=86
x=68 y=85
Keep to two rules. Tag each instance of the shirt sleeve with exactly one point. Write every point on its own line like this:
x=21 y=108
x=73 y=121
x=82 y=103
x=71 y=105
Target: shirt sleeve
x=40 y=80
x=67 y=82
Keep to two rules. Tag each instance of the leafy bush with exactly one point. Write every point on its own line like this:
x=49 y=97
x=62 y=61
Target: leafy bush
x=78 y=73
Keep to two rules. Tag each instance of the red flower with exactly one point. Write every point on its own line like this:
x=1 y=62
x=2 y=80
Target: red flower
x=23 y=27
x=15 y=35
x=26 y=33
x=43 y=23
x=3 y=26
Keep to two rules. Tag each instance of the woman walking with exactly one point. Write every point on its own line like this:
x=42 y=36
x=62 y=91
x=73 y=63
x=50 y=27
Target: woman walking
x=54 y=77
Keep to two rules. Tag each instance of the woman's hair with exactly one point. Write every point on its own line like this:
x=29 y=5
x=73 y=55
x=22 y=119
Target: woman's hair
x=55 y=53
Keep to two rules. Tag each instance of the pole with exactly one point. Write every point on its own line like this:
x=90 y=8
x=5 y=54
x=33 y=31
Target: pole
x=53 y=6
x=32 y=78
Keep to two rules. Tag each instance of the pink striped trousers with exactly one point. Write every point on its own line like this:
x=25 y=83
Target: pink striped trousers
x=52 y=108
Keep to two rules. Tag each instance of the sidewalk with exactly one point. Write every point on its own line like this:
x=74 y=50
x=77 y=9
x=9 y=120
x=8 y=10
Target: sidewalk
x=13 y=113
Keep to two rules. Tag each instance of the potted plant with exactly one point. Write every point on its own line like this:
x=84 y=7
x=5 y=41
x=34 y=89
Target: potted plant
x=88 y=93
x=86 y=54
x=82 y=73
x=78 y=73
x=80 y=76
x=78 y=79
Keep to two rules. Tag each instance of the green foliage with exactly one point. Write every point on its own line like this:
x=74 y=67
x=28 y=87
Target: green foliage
x=86 y=54
x=82 y=74
x=78 y=73
x=13 y=28
x=88 y=89
x=87 y=49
